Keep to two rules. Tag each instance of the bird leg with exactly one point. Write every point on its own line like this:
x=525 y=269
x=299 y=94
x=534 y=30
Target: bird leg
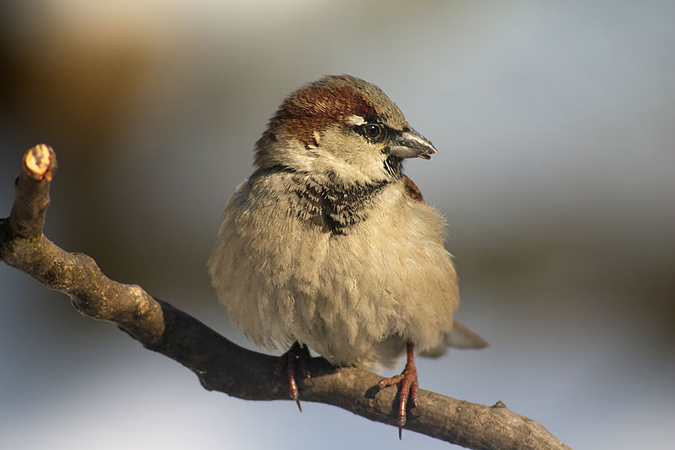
x=409 y=386
x=299 y=355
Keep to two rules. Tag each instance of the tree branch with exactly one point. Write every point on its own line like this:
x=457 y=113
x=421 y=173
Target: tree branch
x=219 y=364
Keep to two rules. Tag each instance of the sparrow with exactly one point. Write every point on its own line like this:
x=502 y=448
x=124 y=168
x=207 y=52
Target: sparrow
x=329 y=246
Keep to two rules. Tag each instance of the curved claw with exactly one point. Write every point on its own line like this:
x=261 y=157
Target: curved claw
x=297 y=402
x=294 y=354
x=409 y=387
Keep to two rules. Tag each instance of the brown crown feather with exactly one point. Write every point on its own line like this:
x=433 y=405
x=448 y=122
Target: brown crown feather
x=312 y=108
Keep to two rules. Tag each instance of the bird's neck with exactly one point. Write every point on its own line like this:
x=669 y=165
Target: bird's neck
x=323 y=202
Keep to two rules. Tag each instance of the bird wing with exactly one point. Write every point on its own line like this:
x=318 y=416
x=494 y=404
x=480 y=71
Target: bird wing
x=460 y=336
x=412 y=190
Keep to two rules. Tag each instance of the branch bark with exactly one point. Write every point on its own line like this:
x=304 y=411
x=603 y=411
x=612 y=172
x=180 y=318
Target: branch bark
x=219 y=364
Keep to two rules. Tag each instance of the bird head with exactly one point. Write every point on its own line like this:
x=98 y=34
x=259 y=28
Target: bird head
x=343 y=128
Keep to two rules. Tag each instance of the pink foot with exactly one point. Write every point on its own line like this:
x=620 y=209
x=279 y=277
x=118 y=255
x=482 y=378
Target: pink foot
x=299 y=355
x=409 y=386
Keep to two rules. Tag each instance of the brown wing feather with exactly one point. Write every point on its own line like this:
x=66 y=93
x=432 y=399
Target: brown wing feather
x=412 y=190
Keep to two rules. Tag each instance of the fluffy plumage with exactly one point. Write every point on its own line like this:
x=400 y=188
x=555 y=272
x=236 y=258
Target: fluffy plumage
x=328 y=243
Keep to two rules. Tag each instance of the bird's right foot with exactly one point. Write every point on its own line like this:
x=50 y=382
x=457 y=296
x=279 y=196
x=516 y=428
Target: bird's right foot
x=295 y=358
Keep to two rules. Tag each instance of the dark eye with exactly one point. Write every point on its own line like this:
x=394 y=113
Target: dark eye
x=373 y=131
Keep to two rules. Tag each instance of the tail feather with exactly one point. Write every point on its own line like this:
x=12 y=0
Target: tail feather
x=459 y=337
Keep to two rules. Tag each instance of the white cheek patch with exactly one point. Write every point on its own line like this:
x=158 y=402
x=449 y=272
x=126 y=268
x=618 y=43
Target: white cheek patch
x=356 y=120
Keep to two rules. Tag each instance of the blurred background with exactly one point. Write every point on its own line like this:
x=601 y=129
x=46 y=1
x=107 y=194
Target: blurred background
x=555 y=125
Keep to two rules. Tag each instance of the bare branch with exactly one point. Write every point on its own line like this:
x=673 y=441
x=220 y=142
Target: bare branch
x=220 y=364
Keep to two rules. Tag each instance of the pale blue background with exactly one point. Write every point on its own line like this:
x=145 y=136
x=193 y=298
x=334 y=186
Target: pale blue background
x=555 y=123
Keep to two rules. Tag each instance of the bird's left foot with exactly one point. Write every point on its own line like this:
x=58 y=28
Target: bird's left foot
x=295 y=357
x=409 y=386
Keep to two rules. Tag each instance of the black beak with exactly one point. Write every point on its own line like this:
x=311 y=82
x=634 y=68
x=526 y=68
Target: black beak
x=411 y=144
